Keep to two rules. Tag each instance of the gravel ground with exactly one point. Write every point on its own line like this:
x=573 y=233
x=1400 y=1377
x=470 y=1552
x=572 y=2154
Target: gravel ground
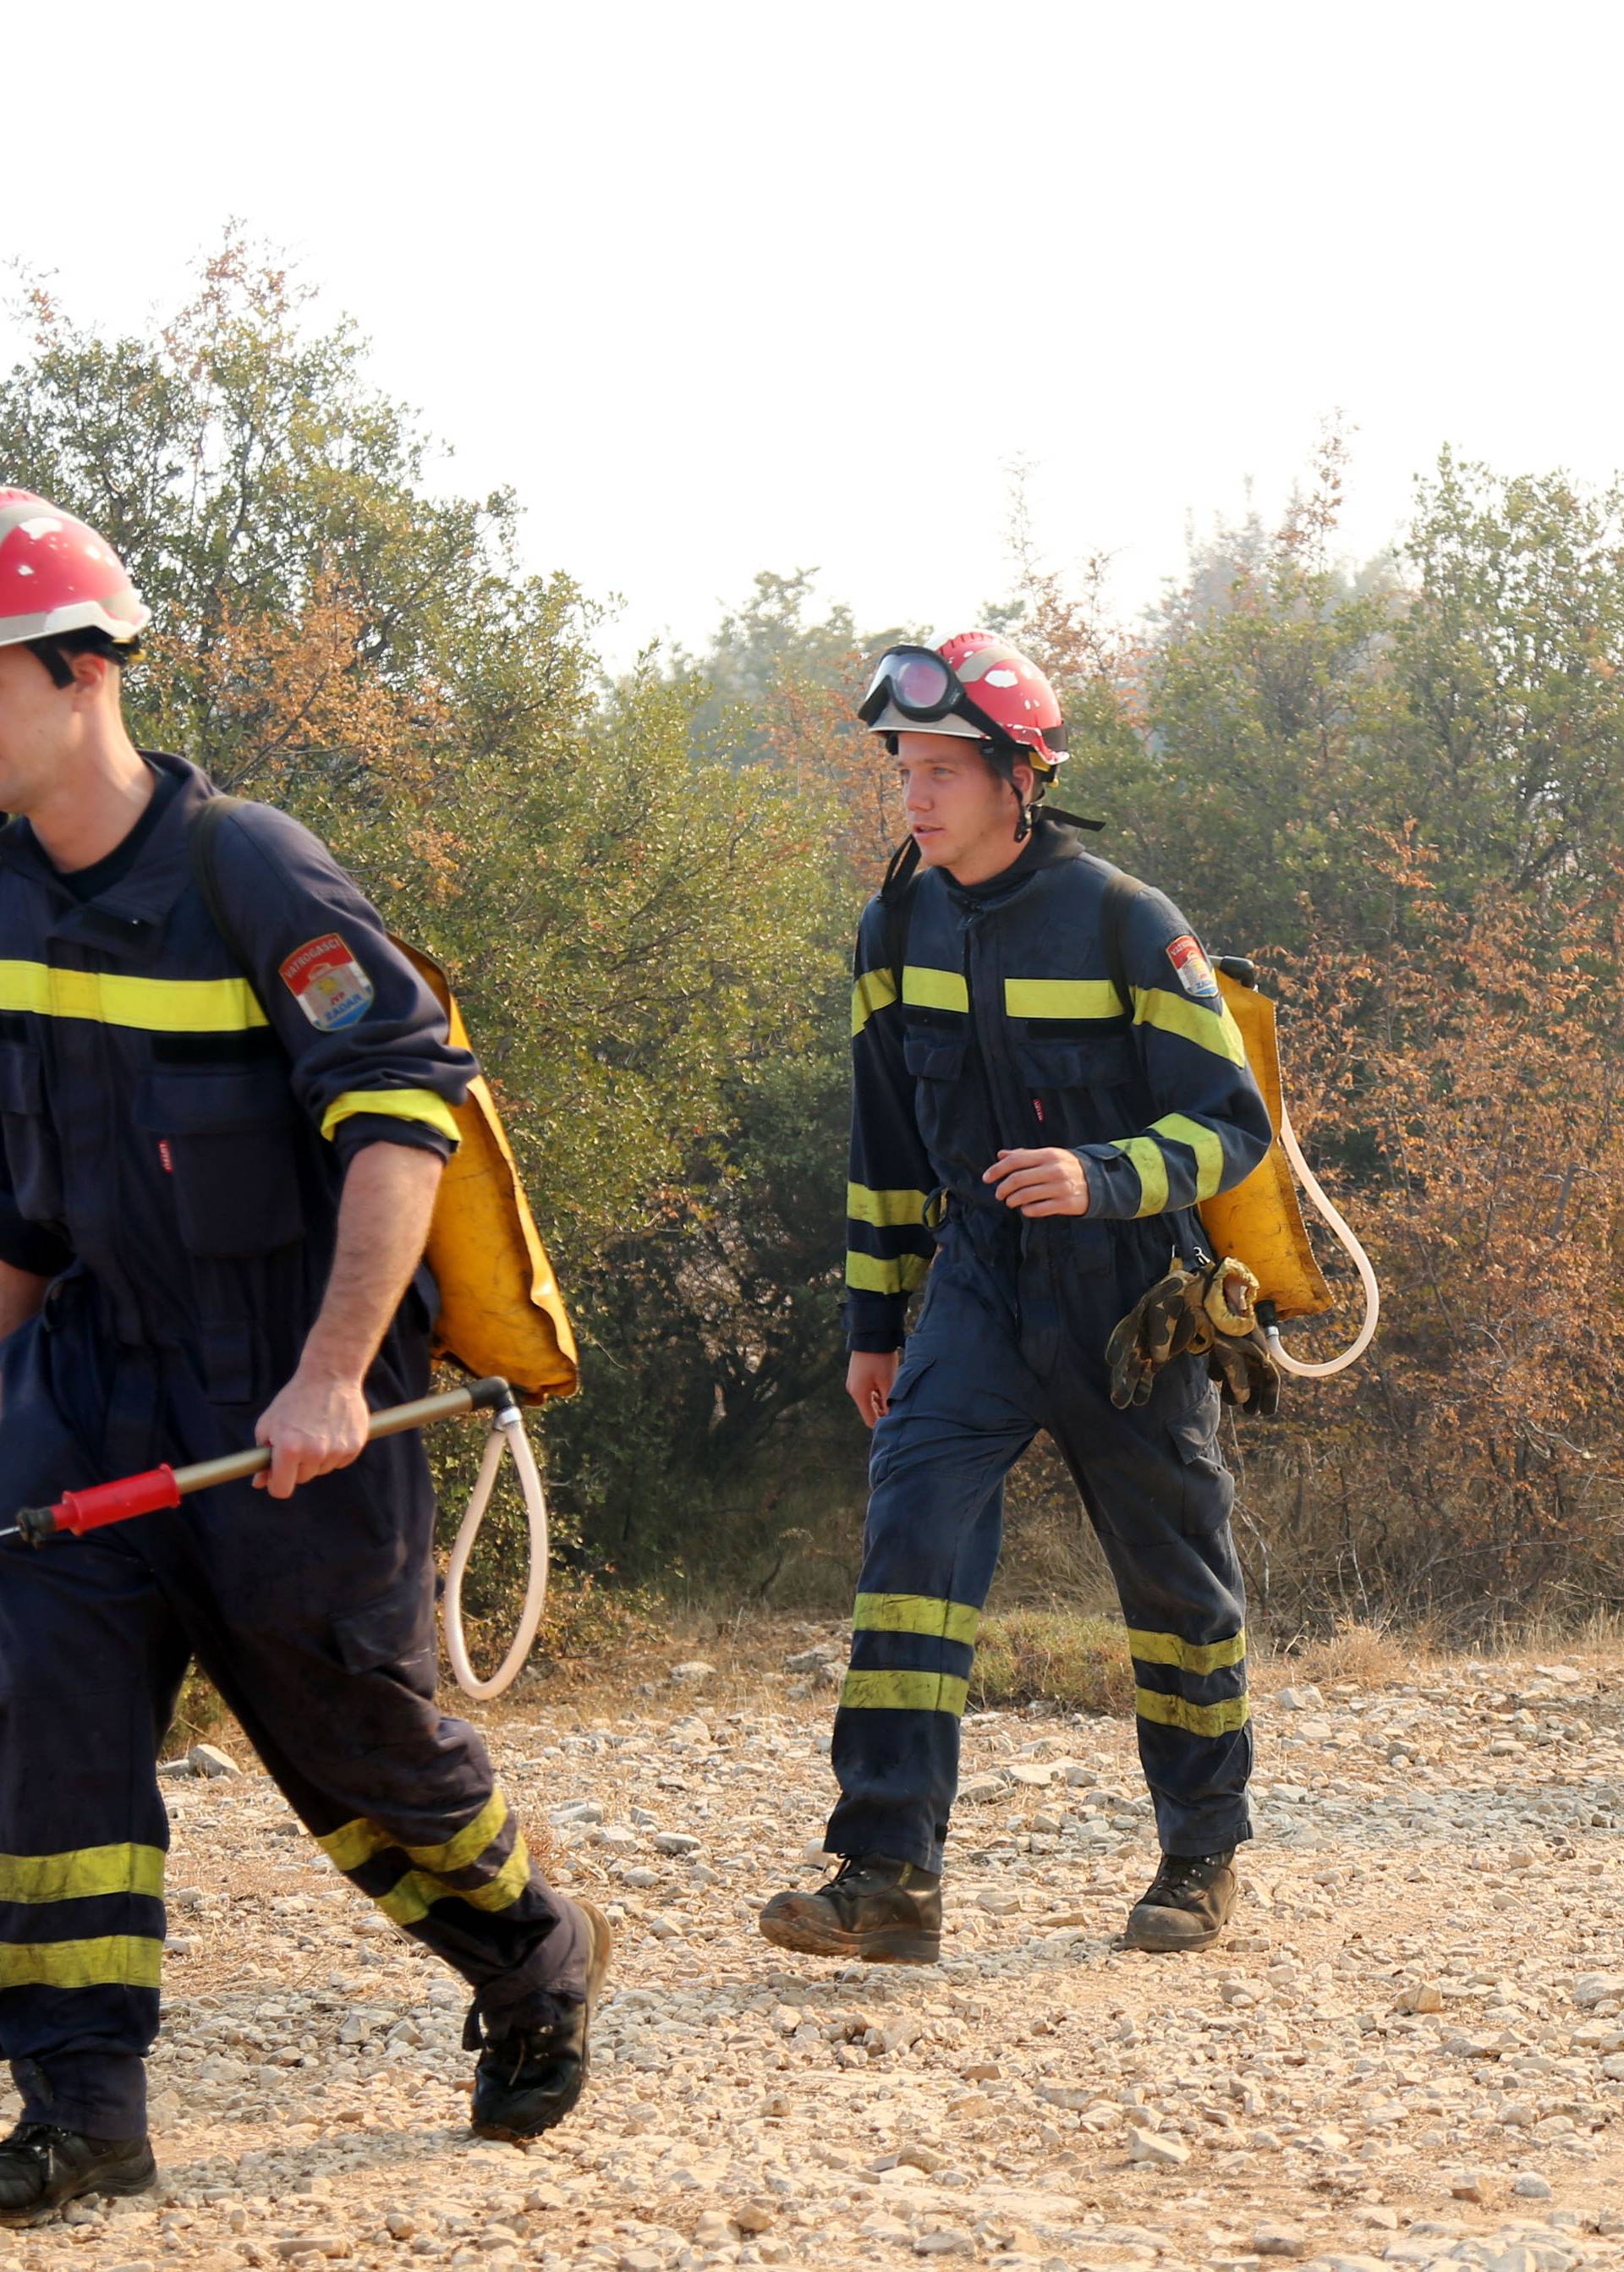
x=1410 y=2050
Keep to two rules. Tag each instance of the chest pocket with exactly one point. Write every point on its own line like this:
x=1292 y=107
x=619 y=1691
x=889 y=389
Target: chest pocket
x=1085 y=1084
x=33 y=1156
x=932 y=1056
x=228 y=1142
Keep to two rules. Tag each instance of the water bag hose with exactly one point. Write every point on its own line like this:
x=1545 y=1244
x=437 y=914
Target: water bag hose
x=1326 y=1208
x=507 y=1433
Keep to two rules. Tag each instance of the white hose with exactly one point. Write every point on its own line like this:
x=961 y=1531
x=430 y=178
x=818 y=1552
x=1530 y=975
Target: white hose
x=1372 y=1292
x=506 y=1434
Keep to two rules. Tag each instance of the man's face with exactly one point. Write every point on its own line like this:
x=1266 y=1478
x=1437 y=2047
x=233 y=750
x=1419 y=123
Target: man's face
x=37 y=726
x=961 y=813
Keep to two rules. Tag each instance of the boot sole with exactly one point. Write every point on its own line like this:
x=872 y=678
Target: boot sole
x=810 y=1937
x=1143 y=1932
x=113 y=2184
x=603 y=1934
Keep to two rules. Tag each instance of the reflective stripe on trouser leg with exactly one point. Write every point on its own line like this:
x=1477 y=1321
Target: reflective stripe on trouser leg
x=931 y=1547
x=1160 y=1498
x=90 y=1658
x=335 y=1683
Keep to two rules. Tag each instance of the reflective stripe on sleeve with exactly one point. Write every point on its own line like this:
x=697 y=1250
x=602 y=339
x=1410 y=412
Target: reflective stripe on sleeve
x=876 y=989
x=1205 y=1142
x=868 y=1273
x=419 y=1105
x=1145 y=1154
x=1177 y=1013
x=886 y=1210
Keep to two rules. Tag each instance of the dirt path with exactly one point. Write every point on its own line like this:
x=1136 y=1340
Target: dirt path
x=1411 y=2047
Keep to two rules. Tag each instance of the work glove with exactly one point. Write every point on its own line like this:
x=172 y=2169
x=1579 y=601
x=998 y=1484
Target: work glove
x=1210 y=1312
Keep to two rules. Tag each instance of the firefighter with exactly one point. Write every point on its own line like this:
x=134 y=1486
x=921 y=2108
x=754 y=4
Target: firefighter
x=215 y=1186
x=1045 y=1081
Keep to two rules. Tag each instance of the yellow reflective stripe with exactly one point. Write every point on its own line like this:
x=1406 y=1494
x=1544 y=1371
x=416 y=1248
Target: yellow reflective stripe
x=82 y=1874
x=1189 y=1655
x=886 y=1210
x=1195 y=1719
x=1176 y=1013
x=876 y=989
x=916 y=1613
x=114 y=1960
x=904 y=1692
x=1206 y=1144
x=1145 y=1155
x=459 y=1853
x=356 y=1842
x=934 y=989
x=1061 y=998
x=395 y=1104
x=415 y=1895
x=152 y=1005
x=867 y=1273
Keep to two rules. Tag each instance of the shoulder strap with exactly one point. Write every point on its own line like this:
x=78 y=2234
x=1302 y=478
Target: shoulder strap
x=200 y=844
x=896 y=895
x=1121 y=894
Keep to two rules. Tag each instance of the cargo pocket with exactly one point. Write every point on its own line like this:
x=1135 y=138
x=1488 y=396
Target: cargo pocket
x=1060 y=1077
x=33 y=1157
x=393 y=1633
x=1209 y=1487
x=904 y=1388
x=226 y=1140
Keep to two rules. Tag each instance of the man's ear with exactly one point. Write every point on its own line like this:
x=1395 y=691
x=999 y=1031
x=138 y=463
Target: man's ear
x=91 y=673
x=1025 y=779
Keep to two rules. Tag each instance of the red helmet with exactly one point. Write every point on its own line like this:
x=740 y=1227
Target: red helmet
x=56 y=576
x=975 y=685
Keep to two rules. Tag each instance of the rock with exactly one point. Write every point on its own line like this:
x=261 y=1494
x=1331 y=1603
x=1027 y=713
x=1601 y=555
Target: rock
x=689 y=1674
x=813 y=1660
x=755 y=2215
x=945 y=2241
x=1032 y=1773
x=675 y=1842
x=209 y=1760
x=977 y=1789
x=1531 y=2187
x=1427 y=1996
x=1591 y=1988
x=1279 y=2240
x=1158 y=2149
x=1306 y=1698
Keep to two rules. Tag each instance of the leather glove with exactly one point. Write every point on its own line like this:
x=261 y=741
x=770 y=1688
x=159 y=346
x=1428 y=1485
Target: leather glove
x=1209 y=1313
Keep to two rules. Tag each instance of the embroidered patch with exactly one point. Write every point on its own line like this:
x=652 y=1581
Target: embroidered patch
x=1195 y=972
x=328 y=983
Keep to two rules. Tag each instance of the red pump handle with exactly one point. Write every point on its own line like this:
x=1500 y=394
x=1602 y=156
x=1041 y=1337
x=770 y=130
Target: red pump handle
x=89 y=1510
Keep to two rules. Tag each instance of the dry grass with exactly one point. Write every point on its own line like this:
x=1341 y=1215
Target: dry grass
x=1369 y=1656
x=1053 y=1657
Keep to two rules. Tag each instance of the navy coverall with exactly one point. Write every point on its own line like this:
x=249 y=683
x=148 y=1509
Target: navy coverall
x=1010 y=1033
x=177 y=1125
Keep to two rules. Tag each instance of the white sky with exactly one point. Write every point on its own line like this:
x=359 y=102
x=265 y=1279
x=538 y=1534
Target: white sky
x=721 y=287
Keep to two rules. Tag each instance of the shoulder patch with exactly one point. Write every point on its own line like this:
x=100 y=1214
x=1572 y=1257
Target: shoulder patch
x=1196 y=975
x=328 y=983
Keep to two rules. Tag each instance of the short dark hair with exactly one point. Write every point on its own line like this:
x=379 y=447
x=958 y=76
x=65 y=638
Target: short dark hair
x=54 y=652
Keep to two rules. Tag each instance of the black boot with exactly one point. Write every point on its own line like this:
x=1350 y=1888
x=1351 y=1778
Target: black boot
x=1188 y=1904
x=527 y=2082
x=42 y=2168
x=887 y=1912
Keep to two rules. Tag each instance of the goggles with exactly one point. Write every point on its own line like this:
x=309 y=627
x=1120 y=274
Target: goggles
x=915 y=681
